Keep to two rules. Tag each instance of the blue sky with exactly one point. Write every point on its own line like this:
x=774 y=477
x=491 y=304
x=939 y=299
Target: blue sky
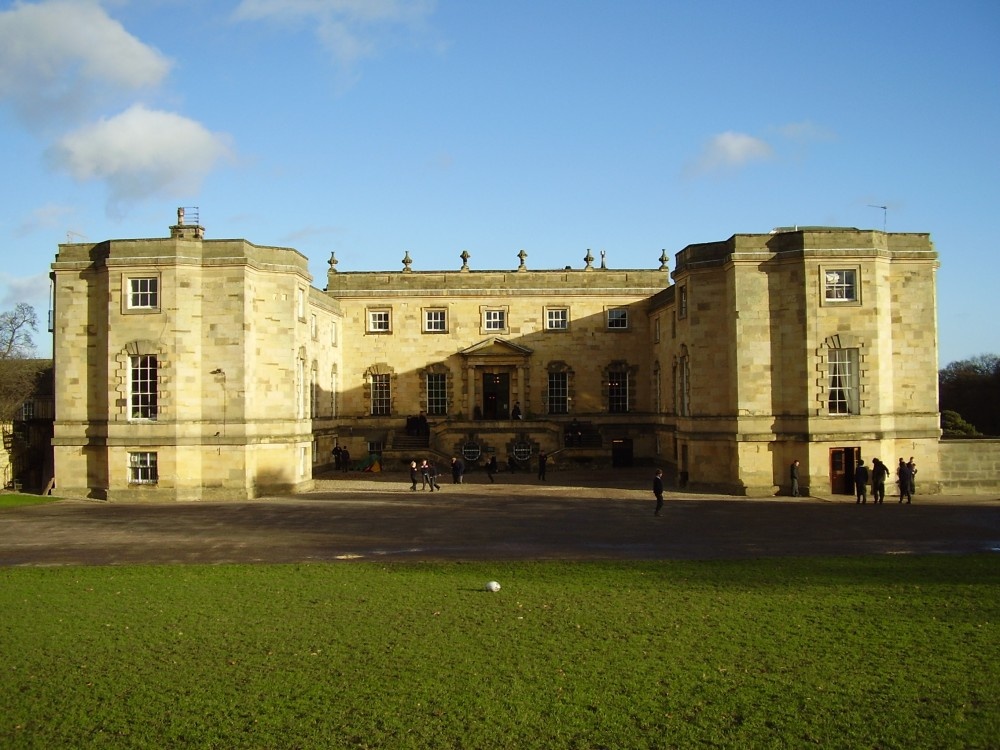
x=376 y=127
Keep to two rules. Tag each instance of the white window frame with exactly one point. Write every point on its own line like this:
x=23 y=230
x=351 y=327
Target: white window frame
x=843 y=382
x=494 y=319
x=435 y=320
x=143 y=387
x=142 y=293
x=437 y=395
x=618 y=388
x=841 y=285
x=557 y=394
x=381 y=395
x=142 y=467
x=379 y=320
x=617 y=318
x=556 y=318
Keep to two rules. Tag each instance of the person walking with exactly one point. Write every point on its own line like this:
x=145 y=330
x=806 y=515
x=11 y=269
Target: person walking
x=432 y=474
x=880 y=472
x=913 y=475
x=457 y=470
x=861 y=482
x=658 y=490
x=905 y=481
x=337 y=454
x=345 y=459
x=413 y=475
x=491 y=468
x=425 y=475
x=794 y=471
x=543 y=460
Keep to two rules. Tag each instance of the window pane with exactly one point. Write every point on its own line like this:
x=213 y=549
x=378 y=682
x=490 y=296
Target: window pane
x=437 y=394
x=618 y=318
x=143 y=387
x=618 y=392
x=378 y=320
x=380 y=395
x=843 y=382
x=495 y=320
x=434 y=320
x=841 y=285
x=558 y=393
x=142 y=468
x=143 y=293
x=557 y=320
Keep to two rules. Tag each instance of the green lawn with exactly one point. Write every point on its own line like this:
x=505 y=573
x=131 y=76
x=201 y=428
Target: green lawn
x=17 y=499
x=879 y=652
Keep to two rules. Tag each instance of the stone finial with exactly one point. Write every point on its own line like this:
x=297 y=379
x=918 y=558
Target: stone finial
x=407 y=262
x=603 y=264
x=589 y=260
x=333 y=262
x=663 y=261
x=465 y=260
x=521 y=256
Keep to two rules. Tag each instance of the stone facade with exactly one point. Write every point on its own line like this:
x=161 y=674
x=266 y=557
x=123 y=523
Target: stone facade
x=818 y=344
x=188 y=368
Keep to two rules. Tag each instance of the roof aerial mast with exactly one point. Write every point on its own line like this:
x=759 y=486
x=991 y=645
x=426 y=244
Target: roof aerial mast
x=884 y=210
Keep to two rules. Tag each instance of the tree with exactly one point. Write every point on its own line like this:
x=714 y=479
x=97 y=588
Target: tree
x=952 y=425
x=971 y=387
x=18 y=371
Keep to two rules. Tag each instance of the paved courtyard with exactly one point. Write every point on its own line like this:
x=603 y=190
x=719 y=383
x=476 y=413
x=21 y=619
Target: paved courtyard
x=572 y=516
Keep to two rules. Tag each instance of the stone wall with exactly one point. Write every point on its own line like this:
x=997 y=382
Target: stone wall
x=969 y=467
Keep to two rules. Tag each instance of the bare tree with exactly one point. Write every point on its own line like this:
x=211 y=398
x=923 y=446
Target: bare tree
x=18 y=371
x=16 y=327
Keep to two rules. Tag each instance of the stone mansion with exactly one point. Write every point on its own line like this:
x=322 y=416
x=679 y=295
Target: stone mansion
x=193 y=368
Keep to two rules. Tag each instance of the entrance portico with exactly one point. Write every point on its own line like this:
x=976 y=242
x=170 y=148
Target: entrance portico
x=496 y=376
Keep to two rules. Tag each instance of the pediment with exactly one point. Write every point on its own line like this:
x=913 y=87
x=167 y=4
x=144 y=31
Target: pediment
x=495 y=348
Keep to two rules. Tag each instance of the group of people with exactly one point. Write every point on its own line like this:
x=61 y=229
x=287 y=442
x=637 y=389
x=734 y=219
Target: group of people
x=425 y=471
x=877 y=476
x=906 y=473
x=341 y=458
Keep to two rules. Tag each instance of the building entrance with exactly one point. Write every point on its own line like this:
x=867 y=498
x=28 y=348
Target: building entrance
x=843 y=461
x=496 y=395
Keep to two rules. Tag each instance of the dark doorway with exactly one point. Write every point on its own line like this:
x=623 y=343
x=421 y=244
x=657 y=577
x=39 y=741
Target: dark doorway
x=496 y=395
x=843 y=461
x=621 y=452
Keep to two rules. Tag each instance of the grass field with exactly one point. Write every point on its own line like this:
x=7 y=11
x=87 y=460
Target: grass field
x=886 y=652
x=18 y=499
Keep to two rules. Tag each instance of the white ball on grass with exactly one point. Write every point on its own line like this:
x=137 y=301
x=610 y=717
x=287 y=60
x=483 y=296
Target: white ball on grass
x=493 y=586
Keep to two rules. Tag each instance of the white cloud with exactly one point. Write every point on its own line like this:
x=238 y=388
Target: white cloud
x=728 y=151
x=44 y=217
x=345 y=27
x=806 y=131
x=59 y=57
x=142 y=153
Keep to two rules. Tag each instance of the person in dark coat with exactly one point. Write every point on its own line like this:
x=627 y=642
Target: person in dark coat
x=658 y=490
x=345 y=459
x=861 y=482
x=413 y=475
x=491 y=468
x=904 y=478
x=457 y=470
x=337 y=452
x=432 y=476
x=880 y=472
x=794 y=471
x=543 y=460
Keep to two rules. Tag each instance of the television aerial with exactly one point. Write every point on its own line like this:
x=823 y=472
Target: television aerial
x=884 y=210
